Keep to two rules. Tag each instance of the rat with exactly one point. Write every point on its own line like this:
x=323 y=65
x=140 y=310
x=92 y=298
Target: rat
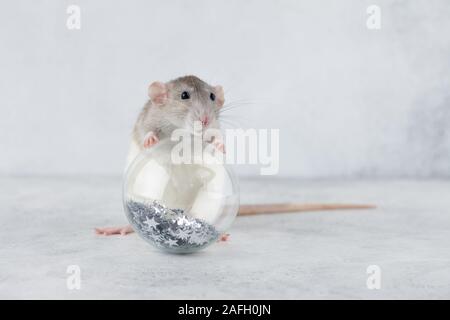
x=179 y=103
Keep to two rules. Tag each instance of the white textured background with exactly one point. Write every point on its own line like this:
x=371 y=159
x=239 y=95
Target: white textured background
x=350 y=102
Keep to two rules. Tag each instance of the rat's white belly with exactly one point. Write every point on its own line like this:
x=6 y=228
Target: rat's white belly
x=155 y=181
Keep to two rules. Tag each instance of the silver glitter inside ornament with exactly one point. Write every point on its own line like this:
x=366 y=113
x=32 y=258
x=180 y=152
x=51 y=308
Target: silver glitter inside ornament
x=170 y=229
x=179 y=207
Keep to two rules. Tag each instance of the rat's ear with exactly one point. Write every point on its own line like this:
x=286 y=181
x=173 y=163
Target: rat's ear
x=158 y=92
x=219 y=95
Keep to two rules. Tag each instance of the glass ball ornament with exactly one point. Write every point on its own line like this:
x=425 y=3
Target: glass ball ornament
x=180 y=205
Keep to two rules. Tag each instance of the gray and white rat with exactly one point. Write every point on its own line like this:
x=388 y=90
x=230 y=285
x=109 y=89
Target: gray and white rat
x=176 y=104
x=179 y=103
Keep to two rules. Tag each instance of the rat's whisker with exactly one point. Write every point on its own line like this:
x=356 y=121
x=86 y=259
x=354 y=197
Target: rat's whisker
x=234 y=121
x=238 y=103
x=232 y=107
x=242 y=100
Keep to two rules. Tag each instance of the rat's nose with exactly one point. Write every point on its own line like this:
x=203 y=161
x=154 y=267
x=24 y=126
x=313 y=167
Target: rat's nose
x=204 y=120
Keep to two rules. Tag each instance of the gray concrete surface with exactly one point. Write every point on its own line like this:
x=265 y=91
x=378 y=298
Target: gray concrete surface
x=47 y=224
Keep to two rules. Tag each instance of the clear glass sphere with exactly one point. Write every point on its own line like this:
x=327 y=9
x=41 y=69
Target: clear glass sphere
x=180 y=206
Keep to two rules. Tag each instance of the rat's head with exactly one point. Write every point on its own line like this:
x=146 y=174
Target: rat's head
x=188 y=100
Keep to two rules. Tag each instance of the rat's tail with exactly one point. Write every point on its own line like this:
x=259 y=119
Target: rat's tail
x=254 y=209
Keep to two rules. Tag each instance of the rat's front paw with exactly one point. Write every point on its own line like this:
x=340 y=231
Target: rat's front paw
x=217 y=142
x=219 y=146
x=150 y=139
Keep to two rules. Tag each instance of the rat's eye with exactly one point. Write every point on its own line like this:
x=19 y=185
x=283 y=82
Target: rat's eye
x=185 y=95
x=212 y=96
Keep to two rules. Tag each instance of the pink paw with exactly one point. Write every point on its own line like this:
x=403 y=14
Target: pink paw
x=224 y=237
x=150 y=139
x=219 y=146
x=114 y=230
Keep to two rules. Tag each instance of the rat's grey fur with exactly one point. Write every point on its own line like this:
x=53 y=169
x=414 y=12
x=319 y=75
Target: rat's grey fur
x=175 y=112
